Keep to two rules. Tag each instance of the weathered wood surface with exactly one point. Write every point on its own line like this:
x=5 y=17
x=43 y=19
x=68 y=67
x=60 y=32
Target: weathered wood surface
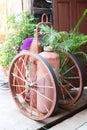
x=12 y=118
x=63 y=114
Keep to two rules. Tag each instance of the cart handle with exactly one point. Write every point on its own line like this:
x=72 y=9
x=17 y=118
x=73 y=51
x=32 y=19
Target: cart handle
x=44 y=16
x=44 y=20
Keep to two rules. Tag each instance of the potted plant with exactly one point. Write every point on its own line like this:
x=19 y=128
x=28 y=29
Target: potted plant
x=74 y=42
x=69 y=41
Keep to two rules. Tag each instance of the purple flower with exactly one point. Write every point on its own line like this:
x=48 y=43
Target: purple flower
x=27 y=43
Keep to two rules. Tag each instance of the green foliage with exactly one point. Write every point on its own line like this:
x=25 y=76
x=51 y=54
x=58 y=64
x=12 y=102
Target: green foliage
x=7 y=52
x=69 y=41
x=50 y=36
x=80 y=21
x=23 y=25
x=20 y=26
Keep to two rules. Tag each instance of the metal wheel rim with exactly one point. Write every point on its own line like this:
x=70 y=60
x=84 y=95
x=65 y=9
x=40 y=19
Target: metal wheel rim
x=71 y=91
x=25 y=108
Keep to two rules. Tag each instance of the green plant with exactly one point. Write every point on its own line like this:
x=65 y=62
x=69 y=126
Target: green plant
x=20 y=26
x=71 y=42
x=51 y=37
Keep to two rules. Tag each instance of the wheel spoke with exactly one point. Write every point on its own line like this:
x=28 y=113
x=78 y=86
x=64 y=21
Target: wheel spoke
x=73 y=77
x=69 y=84
x=62 y=93
x=63 y=63
x=19 y=71
x=68 y=70
x=42 y=77
x=45 y=107
x=18 y=85
x=44 y=86
x=20 y=94
x=16 y=76
x=42 y=95
x=27 y=67
x=63 y=86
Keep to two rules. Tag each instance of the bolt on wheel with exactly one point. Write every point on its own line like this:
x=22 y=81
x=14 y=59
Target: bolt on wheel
x=33 y=85
x=70 y=79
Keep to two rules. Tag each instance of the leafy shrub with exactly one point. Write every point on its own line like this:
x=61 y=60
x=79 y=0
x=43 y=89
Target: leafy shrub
x=20 y=26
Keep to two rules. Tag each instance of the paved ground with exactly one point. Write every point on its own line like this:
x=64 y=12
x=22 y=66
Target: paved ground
x=12 y=119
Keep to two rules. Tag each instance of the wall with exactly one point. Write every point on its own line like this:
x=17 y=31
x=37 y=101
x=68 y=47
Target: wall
x=10 y=7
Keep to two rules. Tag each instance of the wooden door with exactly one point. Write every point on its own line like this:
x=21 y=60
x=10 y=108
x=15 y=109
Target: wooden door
x=67 y=14
x=81 y=5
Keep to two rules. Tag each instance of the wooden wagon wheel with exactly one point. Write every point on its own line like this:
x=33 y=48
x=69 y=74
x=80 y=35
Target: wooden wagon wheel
x=33 y=85
x=70 y=79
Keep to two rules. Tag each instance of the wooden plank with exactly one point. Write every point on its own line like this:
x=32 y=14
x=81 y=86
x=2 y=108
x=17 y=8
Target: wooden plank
x=11 y=116
x=42 y=10
x=63 y=114
x=13 y=113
